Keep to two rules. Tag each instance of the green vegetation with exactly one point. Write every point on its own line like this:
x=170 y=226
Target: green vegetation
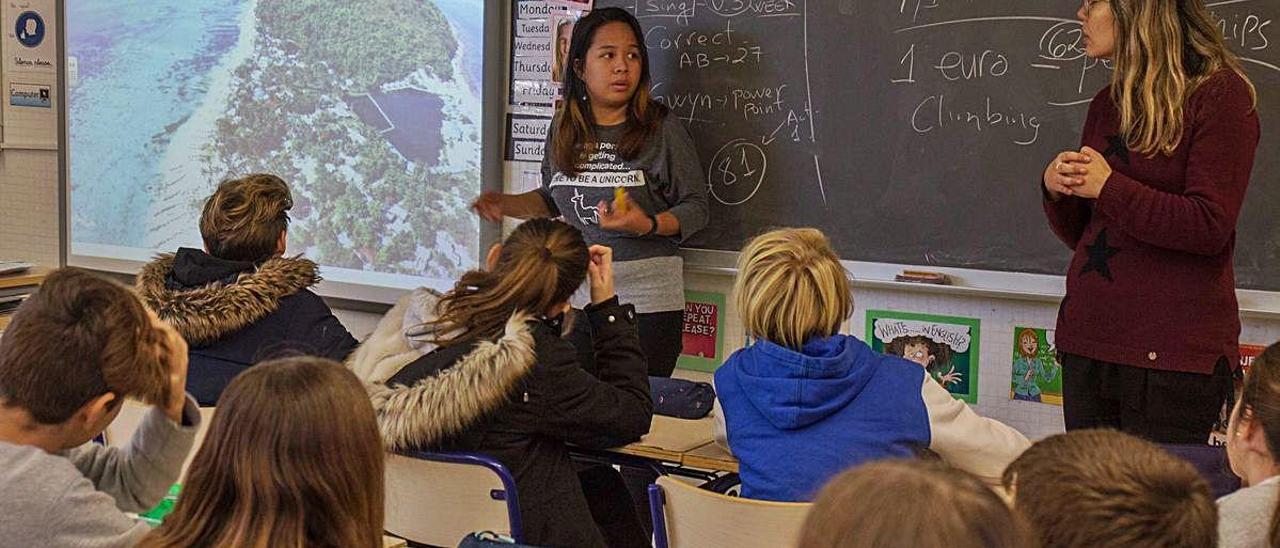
x=358 y=202
x=370 y=42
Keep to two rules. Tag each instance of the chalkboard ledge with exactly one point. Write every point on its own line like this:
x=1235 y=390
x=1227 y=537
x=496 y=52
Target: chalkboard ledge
x=983 y=284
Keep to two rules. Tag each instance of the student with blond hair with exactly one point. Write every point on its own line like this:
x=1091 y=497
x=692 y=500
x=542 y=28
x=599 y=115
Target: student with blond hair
x=292 y=460
x=918 y=503
x=1108 y=489
x=1250 y=517
x=804 y=401
x=240 y=300
x=72 y=355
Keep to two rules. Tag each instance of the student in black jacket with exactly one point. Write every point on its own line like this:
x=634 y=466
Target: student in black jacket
x=241 y=301
x=484 y=368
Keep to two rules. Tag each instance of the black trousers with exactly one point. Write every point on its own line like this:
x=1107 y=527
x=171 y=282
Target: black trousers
x=1161 y=406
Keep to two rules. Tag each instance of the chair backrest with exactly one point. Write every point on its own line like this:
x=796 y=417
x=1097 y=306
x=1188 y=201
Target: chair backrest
x=439 y=498
x=121 y=430
x=684 y=515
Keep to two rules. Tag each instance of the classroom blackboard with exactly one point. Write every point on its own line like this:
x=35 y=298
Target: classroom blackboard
x=912 y=132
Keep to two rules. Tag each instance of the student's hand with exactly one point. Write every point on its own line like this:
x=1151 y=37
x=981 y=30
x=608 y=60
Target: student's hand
x=1097 y=171
x=600 y=272
x=173 y=353
x=489 y=206
x=626 y=217
x=1065 y=173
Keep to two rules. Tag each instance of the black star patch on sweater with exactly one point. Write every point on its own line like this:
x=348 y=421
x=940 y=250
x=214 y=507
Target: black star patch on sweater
x=1117 y=148
x=1099 y=253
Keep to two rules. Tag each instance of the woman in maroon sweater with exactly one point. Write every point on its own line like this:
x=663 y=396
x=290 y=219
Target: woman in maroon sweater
x=1149 y=327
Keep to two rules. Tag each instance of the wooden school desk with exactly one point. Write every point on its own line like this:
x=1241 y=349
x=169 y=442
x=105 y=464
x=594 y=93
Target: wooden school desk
x=682 y=442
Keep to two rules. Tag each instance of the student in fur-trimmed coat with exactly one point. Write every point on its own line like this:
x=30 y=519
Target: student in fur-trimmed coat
x=484 y=369
x=242 y=302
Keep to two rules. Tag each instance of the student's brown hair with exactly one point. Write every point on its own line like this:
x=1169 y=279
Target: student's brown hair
x=922 y=503
x=79 y=337
x=1102 y=489
x=243 y=219
x=541 y=264
x=292 y=459
x=575 y=133
x=1260 y=403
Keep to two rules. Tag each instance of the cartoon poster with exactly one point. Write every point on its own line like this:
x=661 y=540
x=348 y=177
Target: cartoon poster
x=702 y=342
x=946 y=346
x=1037 y=376
x=1247 y=354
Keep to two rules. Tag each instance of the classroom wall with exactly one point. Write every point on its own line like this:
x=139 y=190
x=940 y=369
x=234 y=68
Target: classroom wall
x=29 y=205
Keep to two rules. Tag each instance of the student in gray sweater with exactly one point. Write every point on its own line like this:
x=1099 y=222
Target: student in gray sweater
x=1250 y=517
x=71 y=356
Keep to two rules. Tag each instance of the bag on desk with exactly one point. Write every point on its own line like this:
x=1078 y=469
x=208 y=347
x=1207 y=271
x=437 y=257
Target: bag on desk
x=681 y=398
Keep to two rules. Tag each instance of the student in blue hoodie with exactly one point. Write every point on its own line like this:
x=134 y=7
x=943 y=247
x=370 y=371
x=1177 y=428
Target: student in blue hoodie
x=804 y=402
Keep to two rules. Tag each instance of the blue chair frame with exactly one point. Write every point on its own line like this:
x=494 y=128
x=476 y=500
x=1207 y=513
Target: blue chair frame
x=507 y=493
x=656 y=506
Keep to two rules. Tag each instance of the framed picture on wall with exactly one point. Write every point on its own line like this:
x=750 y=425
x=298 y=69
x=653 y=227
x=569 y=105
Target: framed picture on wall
x=1037 y=375
x=946 y=346
x=702 y=340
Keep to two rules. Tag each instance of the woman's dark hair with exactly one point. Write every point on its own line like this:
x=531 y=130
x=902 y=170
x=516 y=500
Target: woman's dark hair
x=1260 y=401
x=575 y=134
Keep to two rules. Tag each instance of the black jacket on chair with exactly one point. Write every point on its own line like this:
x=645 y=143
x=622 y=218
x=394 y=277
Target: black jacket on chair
x=522 y=399
x=234 y=314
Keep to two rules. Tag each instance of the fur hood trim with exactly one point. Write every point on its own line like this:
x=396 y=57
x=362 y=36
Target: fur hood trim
x=205 y=314
x=444 y=404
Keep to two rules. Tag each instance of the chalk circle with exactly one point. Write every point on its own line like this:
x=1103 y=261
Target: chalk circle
x=739 y=164
x=721 y=7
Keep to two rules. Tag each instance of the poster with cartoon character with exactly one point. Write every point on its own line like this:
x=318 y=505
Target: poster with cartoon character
x=946 y=346
x=1218 y=436
x=1037 y=376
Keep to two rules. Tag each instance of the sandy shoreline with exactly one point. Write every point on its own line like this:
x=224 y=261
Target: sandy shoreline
x=171 y=219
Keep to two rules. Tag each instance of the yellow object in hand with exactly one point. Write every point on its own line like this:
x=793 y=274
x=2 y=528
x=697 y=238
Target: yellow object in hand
x=620 y=199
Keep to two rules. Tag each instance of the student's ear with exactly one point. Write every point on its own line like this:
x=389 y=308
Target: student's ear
x=491 y=260
x=281 y=242
x=1253 y=438
x=94 y=417
x=577 y=67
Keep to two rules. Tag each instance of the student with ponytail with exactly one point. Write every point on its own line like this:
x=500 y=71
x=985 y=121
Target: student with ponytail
x=1250 y=518
x=484 y=368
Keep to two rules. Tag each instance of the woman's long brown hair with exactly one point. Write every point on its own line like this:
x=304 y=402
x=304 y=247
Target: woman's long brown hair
x=1260 y=400
x=292 y=459
x=540 y=265
x=575 y=134
x=1165 y=49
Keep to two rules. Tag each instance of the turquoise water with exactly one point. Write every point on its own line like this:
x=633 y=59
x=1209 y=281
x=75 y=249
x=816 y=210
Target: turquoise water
x=134 y=83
